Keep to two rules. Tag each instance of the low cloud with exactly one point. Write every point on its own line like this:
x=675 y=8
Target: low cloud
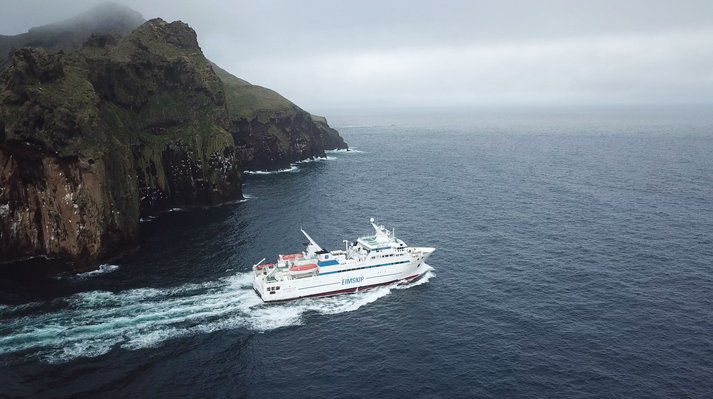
x=674 y=67
x=324 y=54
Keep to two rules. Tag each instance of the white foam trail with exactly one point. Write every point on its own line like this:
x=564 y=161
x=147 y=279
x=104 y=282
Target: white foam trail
x=92 y=323
x=291 y=169
x=177 y=209
x=147 y=219
x=423 y=280
x=103 y=269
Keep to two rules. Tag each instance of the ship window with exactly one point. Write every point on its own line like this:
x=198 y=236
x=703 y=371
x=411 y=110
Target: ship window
x=277 y=288
x=272 y=292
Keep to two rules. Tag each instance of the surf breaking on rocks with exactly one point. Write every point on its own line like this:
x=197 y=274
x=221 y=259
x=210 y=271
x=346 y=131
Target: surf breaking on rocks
x=92 y=323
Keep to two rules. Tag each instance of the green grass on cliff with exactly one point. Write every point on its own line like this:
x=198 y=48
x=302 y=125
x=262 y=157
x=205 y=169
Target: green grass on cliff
x=249 y=101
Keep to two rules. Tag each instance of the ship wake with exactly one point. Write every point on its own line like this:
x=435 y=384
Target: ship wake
x=92 y=323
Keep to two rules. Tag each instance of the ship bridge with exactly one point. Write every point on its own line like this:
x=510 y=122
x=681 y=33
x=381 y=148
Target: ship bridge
x=381 y=240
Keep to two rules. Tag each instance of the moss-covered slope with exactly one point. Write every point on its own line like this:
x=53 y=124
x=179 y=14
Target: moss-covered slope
x=270 y=130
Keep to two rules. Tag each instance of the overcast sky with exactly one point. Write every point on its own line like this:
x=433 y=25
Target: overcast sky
x=338 y=54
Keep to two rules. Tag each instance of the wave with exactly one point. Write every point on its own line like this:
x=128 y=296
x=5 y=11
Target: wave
x=6 y=310
x=345 y=151
x=294 y=166
x=92 y=323
x=103 y=269
x=291 y=169
x=316 y=159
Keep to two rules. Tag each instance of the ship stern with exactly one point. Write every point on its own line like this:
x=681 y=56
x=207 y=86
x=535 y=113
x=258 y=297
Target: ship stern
x=259 y=285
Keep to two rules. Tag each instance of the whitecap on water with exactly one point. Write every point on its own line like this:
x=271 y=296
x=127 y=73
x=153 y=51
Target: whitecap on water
x=103 y=269
x=92 y=323
x=294 y=168
x=345 y=151
x=316 y=159
x=291 y=169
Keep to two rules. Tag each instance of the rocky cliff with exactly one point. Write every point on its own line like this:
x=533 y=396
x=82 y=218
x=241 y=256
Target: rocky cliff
x=92 y=139
x=271 y=131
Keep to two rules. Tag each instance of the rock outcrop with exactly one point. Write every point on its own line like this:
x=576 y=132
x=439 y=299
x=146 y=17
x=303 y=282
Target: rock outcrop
x=92 y=140
x=271 y=131
x=128 y=125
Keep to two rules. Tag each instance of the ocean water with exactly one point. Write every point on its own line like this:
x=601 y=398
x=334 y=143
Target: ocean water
x=574 y=259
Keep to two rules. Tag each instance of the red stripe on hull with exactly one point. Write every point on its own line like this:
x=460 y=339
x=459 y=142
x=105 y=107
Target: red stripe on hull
x=345 y=291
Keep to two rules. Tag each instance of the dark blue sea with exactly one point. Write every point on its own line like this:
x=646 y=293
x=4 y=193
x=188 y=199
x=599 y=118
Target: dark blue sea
x=574 y=259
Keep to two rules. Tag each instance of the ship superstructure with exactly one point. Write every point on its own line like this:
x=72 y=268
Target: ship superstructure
x=370 y=261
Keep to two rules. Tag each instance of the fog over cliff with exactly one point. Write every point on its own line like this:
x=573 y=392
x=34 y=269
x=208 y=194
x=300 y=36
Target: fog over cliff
x=325 y=55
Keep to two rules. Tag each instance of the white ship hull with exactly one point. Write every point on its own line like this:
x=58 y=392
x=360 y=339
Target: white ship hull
x=371 y=261
x=347 y=277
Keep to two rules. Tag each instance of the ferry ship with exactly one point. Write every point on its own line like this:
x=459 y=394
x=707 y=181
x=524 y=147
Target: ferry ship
x=370 y=261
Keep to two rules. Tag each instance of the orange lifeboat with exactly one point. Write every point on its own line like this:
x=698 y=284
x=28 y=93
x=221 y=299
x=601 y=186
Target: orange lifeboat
x=303 y=268
x=265 y=266
x=291 y=256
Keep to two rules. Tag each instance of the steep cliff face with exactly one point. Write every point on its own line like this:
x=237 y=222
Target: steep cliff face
x=330 y=136
x=270 y=131
x=162 y=97
x=91 y=140
x=127 y=125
